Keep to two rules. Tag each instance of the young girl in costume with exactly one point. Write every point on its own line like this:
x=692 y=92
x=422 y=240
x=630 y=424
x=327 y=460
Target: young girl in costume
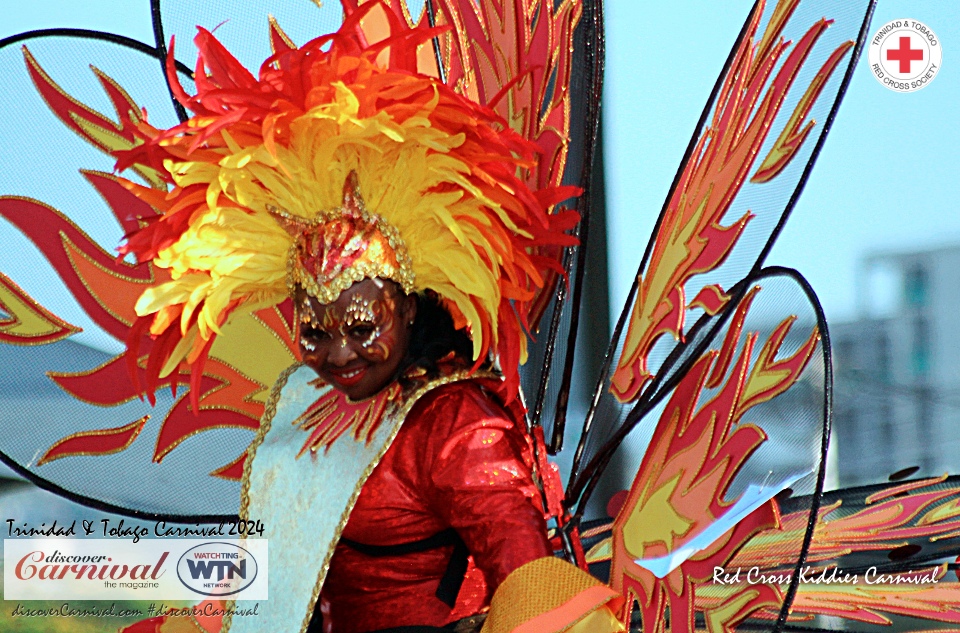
x=390 y=210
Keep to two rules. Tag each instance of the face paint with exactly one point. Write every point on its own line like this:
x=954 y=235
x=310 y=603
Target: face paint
x=357 y=342
x=307 y=320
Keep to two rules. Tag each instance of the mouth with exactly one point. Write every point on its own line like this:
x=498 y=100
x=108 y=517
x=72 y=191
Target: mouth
x=347 y=376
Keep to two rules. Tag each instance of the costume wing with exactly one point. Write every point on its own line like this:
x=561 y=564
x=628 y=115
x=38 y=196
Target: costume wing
x=731 y=416
x=745 y=425
x=72 y=397
x=514 y=57
x=749 y=158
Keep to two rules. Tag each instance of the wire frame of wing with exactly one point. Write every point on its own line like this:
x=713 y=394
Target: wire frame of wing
x=770 y=440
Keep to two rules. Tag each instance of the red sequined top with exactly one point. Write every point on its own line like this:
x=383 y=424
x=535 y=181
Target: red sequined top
x=459 y=460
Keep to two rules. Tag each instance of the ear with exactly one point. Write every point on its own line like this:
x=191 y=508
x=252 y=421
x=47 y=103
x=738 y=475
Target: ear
x=408 y=309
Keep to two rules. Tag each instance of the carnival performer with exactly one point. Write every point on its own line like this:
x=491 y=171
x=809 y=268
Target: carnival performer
x=392 y=212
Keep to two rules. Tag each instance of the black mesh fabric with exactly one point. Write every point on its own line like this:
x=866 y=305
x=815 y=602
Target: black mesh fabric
x=769 y=203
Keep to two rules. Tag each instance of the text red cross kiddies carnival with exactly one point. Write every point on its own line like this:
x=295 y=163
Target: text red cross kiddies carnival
x=905 y=54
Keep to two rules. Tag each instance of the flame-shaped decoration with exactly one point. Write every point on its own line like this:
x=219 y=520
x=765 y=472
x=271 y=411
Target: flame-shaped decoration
x=23 y=321
x=688 y=467
x=103 y=442
x=501 y=56
x=333 y=414
x=691 y=238
x=233 y=389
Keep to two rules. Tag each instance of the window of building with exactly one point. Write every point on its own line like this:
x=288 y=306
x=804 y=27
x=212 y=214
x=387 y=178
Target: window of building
x=920 y=352
x=882 y=369
x=915 y=286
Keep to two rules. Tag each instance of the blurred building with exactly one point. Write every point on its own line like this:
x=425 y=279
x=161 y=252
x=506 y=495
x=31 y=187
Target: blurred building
x=897 y=368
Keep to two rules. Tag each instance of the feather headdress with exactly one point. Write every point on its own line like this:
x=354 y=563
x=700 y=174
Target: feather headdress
x=357 y=153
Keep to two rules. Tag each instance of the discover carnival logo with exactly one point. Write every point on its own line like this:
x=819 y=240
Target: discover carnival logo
x=217 y=569
x=905 y=55
x=103 y=569
x=37 y=565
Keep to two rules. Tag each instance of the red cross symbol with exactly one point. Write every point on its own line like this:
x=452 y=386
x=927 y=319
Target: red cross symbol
x=905 y=54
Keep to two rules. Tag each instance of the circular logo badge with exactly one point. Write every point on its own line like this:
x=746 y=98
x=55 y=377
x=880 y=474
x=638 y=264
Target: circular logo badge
x=905 y=55
x=217 y=569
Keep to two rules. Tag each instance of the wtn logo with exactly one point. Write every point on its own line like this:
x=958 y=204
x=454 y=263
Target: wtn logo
x=217 y=569
x=224 y=568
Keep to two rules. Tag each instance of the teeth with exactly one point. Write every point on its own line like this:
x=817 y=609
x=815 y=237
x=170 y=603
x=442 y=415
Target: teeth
x=351 y=374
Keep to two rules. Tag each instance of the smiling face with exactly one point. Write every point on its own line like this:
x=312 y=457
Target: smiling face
x=356 y=343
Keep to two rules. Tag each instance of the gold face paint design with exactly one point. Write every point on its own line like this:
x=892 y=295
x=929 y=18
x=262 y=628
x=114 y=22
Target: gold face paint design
x=307 y=319
x=363 y=320
x=357 y=341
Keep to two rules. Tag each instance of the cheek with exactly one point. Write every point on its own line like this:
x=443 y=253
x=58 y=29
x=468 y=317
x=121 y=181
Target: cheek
x=384 y=346
x=381 y=348
x=312 y=352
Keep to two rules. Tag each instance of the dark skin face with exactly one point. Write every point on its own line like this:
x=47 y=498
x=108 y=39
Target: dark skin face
x=356 y=343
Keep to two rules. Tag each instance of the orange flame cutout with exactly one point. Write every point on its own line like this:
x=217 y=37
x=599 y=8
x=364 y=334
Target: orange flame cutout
x=792 y=136
x=878 y=527
x=689 y=465
x=691 y=239
x=232 y=471
x=930 y=600
x=225 y=403
x=98 y=130
x=23 y=321
x=892 y=517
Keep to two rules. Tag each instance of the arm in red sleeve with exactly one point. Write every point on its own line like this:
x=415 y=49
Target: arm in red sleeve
x=481 y=473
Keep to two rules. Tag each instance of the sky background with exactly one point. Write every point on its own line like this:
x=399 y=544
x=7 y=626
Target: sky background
x=883 y=182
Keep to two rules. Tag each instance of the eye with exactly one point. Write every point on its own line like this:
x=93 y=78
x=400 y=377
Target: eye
x=314 y=334
x=362 y=331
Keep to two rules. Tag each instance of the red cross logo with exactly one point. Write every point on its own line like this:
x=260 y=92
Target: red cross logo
x=905 y=54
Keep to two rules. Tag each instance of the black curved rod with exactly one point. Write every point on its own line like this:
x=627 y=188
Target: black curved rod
x=596 y=46
x=88 y=34
x=432 y=20
x=827 y=351
x=161 y=48
x=103 y=506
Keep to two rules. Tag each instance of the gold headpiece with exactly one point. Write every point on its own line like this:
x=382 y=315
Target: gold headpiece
x=343 y=247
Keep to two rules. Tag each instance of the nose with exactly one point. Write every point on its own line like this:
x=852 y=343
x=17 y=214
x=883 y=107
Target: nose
x=341 y=353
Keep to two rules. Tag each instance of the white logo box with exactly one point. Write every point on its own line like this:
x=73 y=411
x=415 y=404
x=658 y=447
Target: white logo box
x=151 y=569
